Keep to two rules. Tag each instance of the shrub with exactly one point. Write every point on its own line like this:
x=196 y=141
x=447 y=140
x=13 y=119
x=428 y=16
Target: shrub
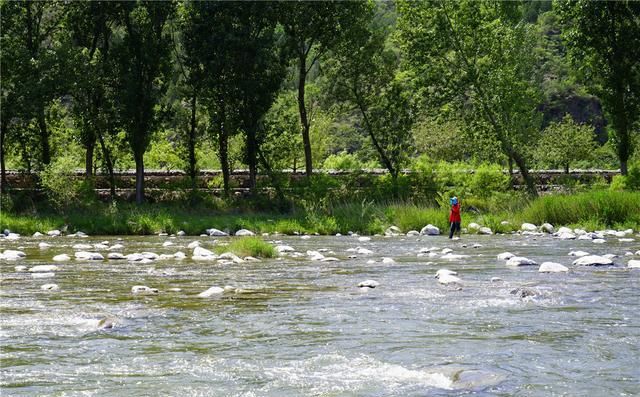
x=488 y=179
x=249 y=246
x=62 y=187
x=342 y=161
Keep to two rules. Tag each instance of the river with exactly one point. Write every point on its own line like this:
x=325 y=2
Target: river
x=293 y=326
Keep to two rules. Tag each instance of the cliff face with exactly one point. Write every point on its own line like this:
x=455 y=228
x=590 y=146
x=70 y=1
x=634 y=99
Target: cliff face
x=582 y=108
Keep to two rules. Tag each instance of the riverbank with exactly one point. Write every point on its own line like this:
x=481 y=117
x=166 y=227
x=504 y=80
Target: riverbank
x=591 y=210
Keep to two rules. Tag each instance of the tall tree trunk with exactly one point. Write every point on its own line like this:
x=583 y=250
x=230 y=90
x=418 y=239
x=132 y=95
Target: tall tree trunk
x=3 y=170
x=383 y=156
x=192 y=142
x=252 y=151
x=88 y=159
x=139 y=158
x=566 y=168
x=223 y=148
x=304 y=121
x=44 y=137
x=107 y=158
x=524 y=171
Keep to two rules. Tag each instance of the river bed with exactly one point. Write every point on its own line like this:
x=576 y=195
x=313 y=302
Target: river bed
x=294 y=326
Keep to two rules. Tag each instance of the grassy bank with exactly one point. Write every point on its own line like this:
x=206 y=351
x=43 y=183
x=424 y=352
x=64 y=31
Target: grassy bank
x=592 y=210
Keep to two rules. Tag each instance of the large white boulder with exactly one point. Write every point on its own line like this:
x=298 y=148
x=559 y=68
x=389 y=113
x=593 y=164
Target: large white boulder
x=392 y=231
x=430 y=230
x=446 y=276
x=413 y=233
x=634 y=264
x=43 y=246
x=564 y=229
x=485 y=230
x=521 y=261
x=199 y=251
x=116 y=256
x=566 y=236
x=593 y=260
x=368 y=284
x=61 y=258
x=216 y=232
x=53 y=233
x=552 y=267
x=13 y=255
x=284 y=248
x=528 y=227
x=473 y=227
x=547 y=228
x=245 y=232
x=43 y=268
x=90 y=256
x=505 y=256
x=211 y=292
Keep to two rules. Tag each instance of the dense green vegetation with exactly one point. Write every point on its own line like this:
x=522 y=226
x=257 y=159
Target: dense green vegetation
x=454 y=91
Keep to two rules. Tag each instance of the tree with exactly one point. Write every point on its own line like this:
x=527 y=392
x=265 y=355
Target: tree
x=209 y=48
x=477 y=58
x=142 y=56
x=259 y=70
x=90 y=30
x=565 y=142
x=604 y=38
x=362 y=72
x=312 y=28
x=31 y=51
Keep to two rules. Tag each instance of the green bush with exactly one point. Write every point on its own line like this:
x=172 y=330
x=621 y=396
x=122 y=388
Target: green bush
x=62 y=188
x=488 y=179
x=342 y=161
x=249 y=246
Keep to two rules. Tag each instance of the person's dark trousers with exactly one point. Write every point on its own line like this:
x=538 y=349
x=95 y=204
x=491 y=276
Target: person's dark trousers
x=455 y=226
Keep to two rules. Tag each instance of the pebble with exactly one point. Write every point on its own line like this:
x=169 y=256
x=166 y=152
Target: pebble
x=143 y=289
x=520 y=261
x=49 y=287
x=505 y=256
x=43 y=268
x=61 y=258
x=368 y=284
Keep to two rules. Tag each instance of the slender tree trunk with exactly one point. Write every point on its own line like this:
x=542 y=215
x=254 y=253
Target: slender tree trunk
x=223 y=149
x=139 y=158
x=383 y=156
x=88 y=159
x=566 y=168
x=3 y=170
x=252 y=157
x=107 y=158
x=44 y=138
x=304 y=122
x=192 y=142
x=524 y=171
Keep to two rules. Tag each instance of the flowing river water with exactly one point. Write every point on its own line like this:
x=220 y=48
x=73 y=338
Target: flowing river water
x=301 y=327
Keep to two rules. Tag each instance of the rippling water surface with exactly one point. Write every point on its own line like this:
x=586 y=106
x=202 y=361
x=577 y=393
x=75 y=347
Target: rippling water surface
x=298 y=327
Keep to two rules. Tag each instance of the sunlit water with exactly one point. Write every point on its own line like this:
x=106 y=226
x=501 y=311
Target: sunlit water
x=300 y=327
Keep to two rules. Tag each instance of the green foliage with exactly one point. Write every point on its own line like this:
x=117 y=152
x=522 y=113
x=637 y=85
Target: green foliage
x=566 y=142
x=604 y=39
x=343 y=161
x=249 y=246
x=476 y=58
x=62 y=186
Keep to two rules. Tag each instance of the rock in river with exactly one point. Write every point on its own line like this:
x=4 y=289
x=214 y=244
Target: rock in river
x=552 y=267
x=593 y=260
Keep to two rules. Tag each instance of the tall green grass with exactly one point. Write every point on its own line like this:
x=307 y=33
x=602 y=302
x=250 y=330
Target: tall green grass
x=591 y=210
x=602 y=208
x=249 y=246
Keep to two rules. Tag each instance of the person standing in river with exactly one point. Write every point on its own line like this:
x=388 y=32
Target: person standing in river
x=454 y=217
